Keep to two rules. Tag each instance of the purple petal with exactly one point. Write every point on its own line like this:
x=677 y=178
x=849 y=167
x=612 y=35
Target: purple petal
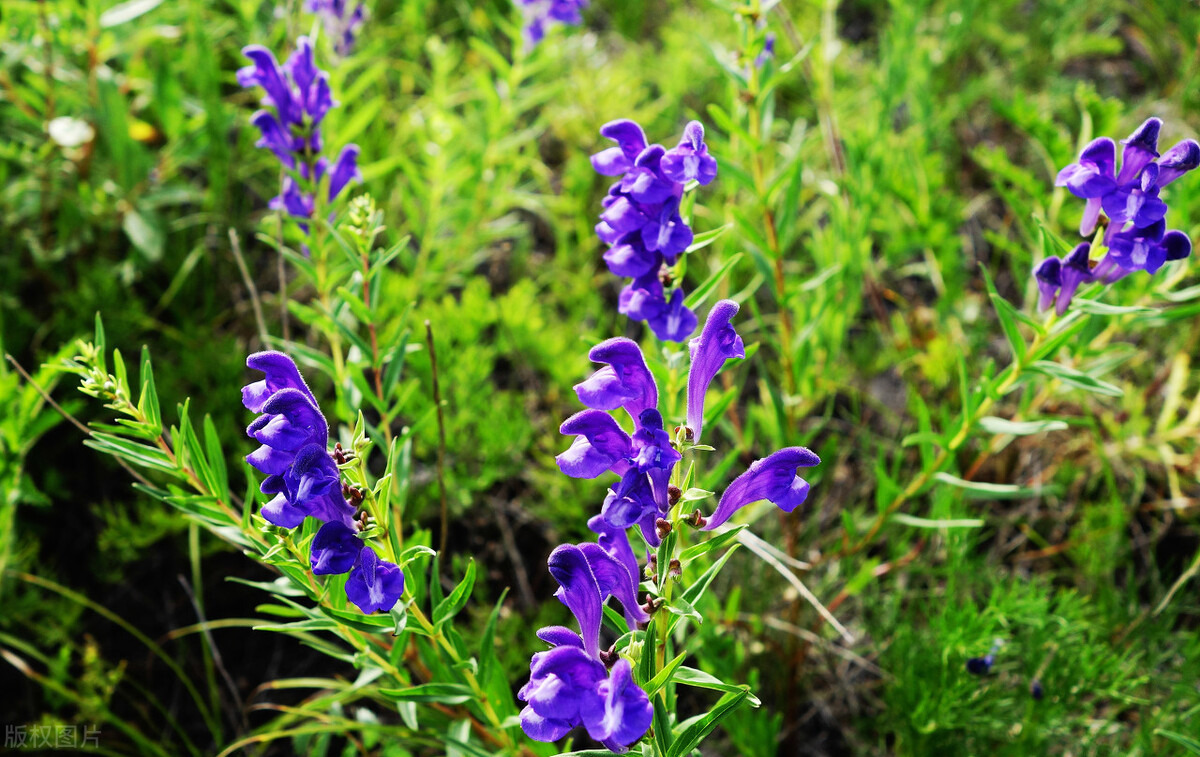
x=344 y=170
x=1049 y=278
x=334 y=549
x=626 y=713
x=580 y=592
x=673 y=322
x=624 y=382
x=280 y=512
x=709 y=351
x=600 y=445
x=1177 y=161
x=614 y=579
x=1141 y=147
x=772 y=478
x=374 y=584
x=281 y=373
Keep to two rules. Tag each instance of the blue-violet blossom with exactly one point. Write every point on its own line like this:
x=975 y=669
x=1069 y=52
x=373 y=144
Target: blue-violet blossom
x=299 y=94
x=574 y=683
x=304 y=479
x=341 y=19
x=541 y=14
x=641 y=221
x=1136 y=237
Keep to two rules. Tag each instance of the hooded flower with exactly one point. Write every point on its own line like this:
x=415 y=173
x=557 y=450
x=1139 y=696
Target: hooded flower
x=1136 y=237
x=305 y=481
x=600 y=445
x=299 y=93
x=542 y=14
x=717 y=343
x=341 y=21
x=690 y=161
x=569 y=685
x=374 y=584
x=773 y=478
x=642 y=224
x=624 y=381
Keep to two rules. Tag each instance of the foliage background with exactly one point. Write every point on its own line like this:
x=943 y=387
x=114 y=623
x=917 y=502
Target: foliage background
x=921 y=139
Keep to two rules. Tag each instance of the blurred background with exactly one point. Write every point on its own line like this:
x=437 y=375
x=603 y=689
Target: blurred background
x=917 y=141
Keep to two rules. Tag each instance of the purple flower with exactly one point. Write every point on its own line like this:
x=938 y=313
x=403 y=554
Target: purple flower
x=690 y=161
x=1136 y=204
x=587 y=576
x=670 y=320
x=1092 y=177
x=1136 y=238
x=1177 y=161
x=281 y=373
x=541 y=14
x=1145 y=249
x=1141 y=147
x=615 y=541
x=1049 y=278
x=340 y=21
x=632 y=502
x=773 y=478
x=568 y=688
x=334 y=549
x=600 y=445
x=641 y=221
x=624 y=381
x=768 y=51
x=630 y=139
x=569 y=685
x=305 y=481
x=709 y=351
x=1076 y=271
x=374 y=584
x=300 y=95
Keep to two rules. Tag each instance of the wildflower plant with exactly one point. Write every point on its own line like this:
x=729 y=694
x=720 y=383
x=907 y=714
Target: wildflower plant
x=1125 y=202
x=617 y=693
x=642 y=221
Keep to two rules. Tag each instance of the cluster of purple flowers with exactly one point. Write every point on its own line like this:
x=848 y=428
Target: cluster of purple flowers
x=299 y=94
x=304 y=479
x=568 y=686
x=641 y=221
x=1136 y=237
x=342 y=19
x=541 y=14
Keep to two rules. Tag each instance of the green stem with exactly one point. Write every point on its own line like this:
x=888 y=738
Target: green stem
x=1010 y=377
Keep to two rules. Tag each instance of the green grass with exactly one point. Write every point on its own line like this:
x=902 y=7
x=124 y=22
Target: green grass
x=904 y=154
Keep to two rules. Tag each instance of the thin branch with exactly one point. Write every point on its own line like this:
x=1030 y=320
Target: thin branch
x=74 y=421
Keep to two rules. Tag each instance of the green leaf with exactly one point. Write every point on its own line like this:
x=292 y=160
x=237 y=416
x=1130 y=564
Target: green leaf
x=1008 y=317
x=981 y=490
x=693 y=593
x=443 y=693
x=664 y=675
x=1075 y=378
x=144 y=234
x=717 y=542
x=994 y=425
x=683 y=608
x=915 y=522
x=702 y=680
x=451 y=605
x=1187 y=742
x=699 y=730
x=1100 y=308
x=126 y=12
